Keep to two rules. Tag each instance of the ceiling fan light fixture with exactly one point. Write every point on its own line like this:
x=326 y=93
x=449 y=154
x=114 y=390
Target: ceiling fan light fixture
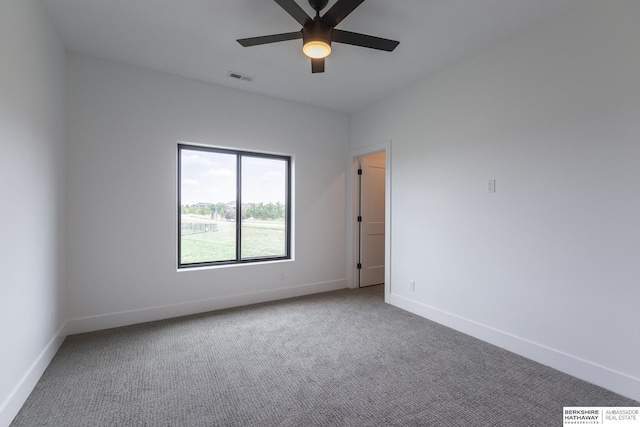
x=316 y=49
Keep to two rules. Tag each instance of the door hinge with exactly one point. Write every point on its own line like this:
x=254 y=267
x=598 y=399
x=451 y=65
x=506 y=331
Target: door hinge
x=359 y=171
x=359 y=218
x=359 y=266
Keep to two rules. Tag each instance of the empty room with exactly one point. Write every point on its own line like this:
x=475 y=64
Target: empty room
x=342 y=212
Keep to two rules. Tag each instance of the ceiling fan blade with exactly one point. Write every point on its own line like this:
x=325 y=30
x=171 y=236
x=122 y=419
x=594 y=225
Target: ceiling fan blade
x=292 y=8
x=317 y=65
x=363 y=40
x=339 y=11
x=253 y=41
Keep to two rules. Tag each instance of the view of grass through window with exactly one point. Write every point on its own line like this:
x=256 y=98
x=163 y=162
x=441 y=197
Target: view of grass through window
x=215 y=185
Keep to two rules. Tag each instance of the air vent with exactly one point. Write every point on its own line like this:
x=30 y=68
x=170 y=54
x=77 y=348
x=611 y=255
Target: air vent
x=239 y=76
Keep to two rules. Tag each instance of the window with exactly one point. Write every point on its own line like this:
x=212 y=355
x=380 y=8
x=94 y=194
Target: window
x=233 y=206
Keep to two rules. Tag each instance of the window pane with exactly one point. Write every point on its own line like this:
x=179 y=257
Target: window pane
x=207 y=206
x=264 y=195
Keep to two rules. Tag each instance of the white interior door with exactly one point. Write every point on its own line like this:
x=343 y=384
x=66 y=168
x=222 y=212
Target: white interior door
x=372 y=218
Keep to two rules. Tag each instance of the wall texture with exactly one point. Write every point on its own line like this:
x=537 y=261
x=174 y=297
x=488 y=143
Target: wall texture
x=546 y=266
x=32 y=69
x=124 y=124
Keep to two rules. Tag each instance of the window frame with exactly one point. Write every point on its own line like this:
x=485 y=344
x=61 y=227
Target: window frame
x=240 y=154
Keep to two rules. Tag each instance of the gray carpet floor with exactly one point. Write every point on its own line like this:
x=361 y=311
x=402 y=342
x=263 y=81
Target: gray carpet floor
x=341 y=358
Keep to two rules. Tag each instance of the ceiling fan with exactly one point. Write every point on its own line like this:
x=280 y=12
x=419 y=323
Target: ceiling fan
x=318 y=33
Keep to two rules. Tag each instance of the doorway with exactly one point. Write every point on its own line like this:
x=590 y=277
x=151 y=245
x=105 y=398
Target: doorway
x=371 y=219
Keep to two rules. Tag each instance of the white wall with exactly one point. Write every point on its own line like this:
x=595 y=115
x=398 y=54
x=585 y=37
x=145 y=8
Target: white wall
x=124 y=125
x=548 y=266
x=32 y=210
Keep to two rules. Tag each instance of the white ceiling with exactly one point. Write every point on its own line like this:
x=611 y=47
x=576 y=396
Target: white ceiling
x=197 y=39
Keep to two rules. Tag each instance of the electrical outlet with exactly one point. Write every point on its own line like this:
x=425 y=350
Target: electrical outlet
x=283 y=276
x=412 y=286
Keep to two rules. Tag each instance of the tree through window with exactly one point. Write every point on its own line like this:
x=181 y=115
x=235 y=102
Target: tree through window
x=234 y=206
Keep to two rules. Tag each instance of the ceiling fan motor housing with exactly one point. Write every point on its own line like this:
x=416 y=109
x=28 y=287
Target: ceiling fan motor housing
x=316 y=31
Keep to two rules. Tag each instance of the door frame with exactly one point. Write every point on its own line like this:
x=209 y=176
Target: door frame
x=352 y=209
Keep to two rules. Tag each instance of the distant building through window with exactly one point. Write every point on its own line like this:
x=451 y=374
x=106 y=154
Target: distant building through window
x=233 y=206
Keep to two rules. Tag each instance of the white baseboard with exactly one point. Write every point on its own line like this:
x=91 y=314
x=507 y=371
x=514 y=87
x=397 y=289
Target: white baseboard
x=602 y=376
x=11 y=406
x=125 y=318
